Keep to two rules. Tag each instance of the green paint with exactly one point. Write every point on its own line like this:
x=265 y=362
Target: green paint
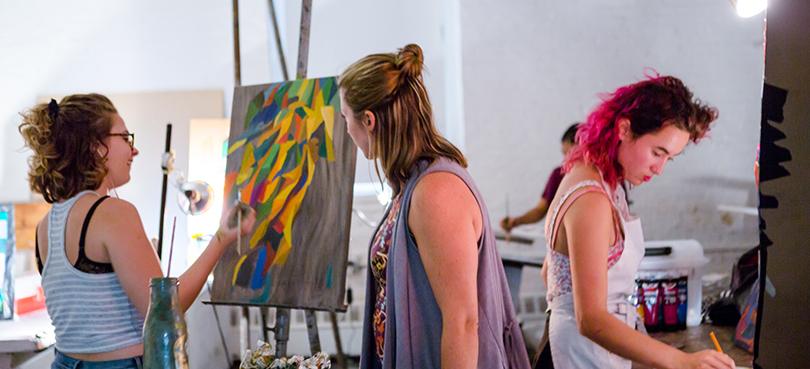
x=294 y=87
x=307 y=96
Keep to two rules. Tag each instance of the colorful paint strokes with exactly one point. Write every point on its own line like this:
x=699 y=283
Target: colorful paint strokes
x=289 y=158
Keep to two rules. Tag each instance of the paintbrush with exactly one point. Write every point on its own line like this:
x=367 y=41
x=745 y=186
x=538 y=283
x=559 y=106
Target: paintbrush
x=171 y=248
x=238 y=222
x=509 y=232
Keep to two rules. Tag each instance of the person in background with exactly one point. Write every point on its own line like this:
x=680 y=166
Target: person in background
x=595 y=245
x=92 y=250
x=537 y=213
x=436 y=291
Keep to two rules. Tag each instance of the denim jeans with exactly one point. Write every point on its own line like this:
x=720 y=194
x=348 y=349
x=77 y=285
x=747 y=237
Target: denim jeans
x=62 y=361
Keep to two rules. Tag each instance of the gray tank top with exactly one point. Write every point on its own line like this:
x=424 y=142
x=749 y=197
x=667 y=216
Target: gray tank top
x=413 y=327
x=90 y=312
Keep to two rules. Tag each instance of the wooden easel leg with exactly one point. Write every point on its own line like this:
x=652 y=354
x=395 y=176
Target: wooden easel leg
x=303 y=39
x=278 y=40
x=237 y=78
x=264 y=311
x=244 y=331
x=341 y=358
x=312 y=331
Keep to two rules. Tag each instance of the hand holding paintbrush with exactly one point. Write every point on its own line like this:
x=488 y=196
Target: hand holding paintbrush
x=238 y=222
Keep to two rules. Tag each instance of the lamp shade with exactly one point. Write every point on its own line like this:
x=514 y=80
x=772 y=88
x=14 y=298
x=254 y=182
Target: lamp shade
x=195 y=197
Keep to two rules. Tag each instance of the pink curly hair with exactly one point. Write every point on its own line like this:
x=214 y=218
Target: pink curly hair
x=649 y=105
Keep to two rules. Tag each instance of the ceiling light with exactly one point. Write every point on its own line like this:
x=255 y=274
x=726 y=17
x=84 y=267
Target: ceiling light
x=749 y=8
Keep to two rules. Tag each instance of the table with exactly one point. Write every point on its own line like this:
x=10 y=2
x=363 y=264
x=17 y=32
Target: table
x=25 y=339
x=697 y=338
x=522 y=250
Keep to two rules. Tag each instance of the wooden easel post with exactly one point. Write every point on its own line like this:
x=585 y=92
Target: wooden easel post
x=236 y=58
x=282 y=323
x=278 y=40
x=281 y=328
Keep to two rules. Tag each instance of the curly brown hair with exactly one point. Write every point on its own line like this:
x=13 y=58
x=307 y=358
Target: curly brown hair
x=65 y=138
x=390 y=86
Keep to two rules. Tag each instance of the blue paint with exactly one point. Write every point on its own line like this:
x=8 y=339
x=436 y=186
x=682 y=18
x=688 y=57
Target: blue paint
x=329 y=276
x=257 y=280
x=268 y=286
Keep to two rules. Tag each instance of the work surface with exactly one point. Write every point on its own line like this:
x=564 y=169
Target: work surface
x=29 y=332
x=697 y=338
x=23 y=340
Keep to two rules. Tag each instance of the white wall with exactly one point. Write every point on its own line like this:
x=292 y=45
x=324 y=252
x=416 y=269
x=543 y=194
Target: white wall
x=122 y=48
x=528 y=69
x=57 y=48
x=344 y=31
x=531 y=68
x=70 y=47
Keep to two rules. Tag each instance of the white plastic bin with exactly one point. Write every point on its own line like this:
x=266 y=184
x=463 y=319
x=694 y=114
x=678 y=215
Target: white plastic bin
x=686 y=258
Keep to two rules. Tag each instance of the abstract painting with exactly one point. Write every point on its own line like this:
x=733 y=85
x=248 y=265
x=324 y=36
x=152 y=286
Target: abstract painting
x=291 y=159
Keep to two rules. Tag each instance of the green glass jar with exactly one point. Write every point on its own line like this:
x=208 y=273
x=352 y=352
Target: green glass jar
x=164 y=332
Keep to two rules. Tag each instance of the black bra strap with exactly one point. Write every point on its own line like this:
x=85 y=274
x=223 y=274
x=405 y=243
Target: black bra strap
x=82 y=255
x=36 y=246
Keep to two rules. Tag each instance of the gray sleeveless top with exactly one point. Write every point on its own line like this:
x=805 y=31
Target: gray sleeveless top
x=90 y=312
x=413 y=327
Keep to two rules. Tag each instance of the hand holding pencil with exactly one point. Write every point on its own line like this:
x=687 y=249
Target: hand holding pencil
x=716 y=344
x=708 y=358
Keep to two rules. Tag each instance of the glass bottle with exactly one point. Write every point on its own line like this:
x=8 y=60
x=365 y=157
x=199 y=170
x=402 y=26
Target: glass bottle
x=164 y=332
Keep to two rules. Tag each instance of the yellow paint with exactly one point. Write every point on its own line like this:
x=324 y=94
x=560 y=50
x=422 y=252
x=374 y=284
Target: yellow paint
x=247 y=165
x=286 y=204
x=236 y=145
x=329 y=123
x=303 y=88
x=261 y=230
x=236 y=270
x=268 y=190
x=328 y=113
x=283 y=251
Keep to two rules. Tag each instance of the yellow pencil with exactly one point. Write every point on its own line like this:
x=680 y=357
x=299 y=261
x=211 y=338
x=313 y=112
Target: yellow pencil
x=716 y=344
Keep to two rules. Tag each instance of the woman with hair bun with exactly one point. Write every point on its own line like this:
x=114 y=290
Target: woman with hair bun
x=595 y=244
x=436 y=291
x=92 y=251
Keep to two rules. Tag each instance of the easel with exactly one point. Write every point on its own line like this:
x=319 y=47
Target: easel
x=281 y=329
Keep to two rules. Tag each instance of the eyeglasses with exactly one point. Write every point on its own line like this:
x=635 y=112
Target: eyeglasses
x=129 y=137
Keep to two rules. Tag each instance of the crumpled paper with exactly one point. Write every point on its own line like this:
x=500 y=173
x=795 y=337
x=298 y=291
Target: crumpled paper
x=263 y=358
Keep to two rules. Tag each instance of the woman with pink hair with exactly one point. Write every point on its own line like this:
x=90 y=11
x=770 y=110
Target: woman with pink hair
x=595 y=244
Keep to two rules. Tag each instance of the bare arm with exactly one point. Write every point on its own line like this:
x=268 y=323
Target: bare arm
x=589 y=232
x=136 y=262
x=544 y=271
x=532 y=216
x=192 y=281
x=446 y=222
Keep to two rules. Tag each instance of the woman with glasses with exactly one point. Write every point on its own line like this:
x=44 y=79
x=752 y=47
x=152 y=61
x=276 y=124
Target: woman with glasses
x=92 y=251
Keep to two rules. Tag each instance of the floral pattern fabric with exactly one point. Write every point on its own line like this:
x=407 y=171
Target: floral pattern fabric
x=559 y=270
x=379 y=266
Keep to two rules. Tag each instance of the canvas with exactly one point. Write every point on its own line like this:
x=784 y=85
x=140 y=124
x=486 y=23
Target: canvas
x=291 y=159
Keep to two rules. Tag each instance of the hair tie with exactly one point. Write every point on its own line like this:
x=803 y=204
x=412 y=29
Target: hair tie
x=53 y=109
